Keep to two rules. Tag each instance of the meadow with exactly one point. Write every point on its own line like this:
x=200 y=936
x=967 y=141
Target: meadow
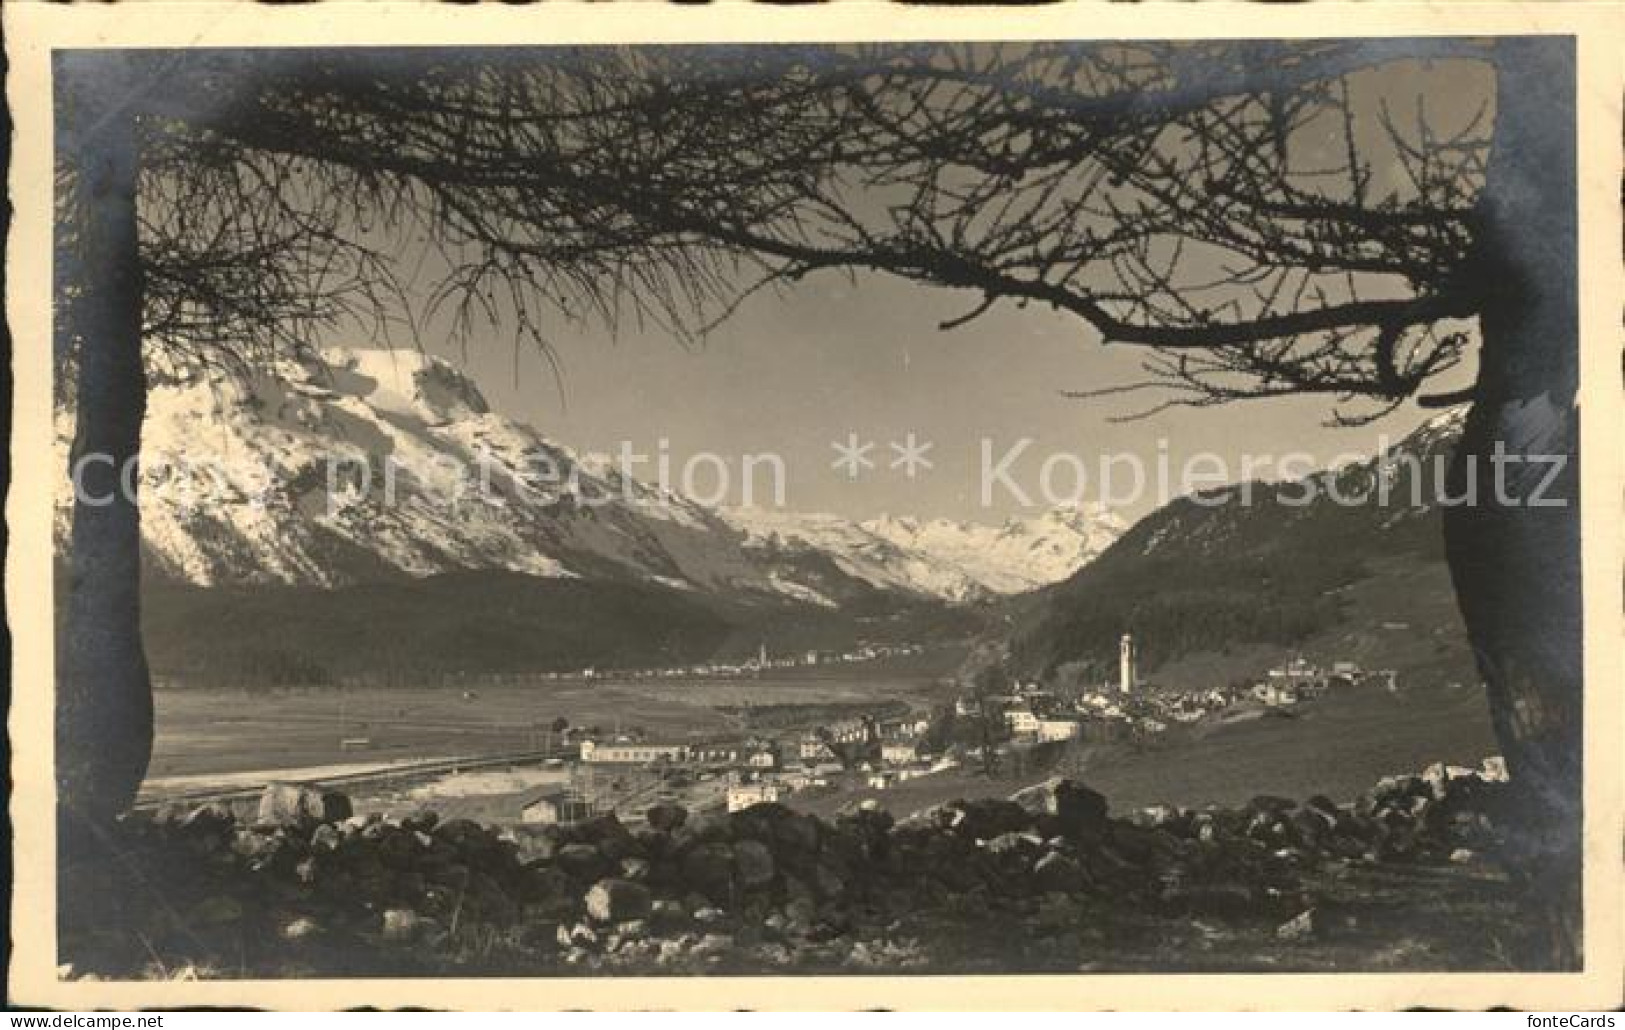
x=1339 y=746
x=209 y=734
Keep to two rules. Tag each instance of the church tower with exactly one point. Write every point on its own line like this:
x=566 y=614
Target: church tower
x=1125 y=664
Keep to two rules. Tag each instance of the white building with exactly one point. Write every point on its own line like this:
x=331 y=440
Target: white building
x=1021 y=720
x=1297 y=673
x=898 y=753
x=1278 y=694
x=1058 y=729
x=851 y=730
x=744 y=795
x=632 y=754
x=763 y=759
x=811 y=749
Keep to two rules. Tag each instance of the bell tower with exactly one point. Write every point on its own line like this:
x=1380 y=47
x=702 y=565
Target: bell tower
x=1125 y=664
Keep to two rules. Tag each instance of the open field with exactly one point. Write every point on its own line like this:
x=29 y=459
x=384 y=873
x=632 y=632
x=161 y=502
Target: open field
x=203 y=733
x=1337 y=746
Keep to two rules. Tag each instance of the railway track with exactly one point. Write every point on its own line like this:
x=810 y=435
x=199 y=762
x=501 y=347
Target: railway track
x=403 y=771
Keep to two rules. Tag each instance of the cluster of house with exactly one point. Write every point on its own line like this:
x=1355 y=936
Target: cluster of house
x=1300 y=680
x=861 y=729
x=752 y=666
x=750 y=754
x=890 y=773
x=755 y=770
x=746 y=789
x=751 y=769
x=884 y=752
x=1031 y=713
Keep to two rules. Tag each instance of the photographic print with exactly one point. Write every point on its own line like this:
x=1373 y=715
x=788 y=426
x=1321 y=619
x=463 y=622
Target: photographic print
x=537 y=509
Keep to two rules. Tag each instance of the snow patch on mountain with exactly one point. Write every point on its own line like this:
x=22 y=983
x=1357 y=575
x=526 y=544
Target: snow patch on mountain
x=1019 y=555
x=357 y=465
x=942 y=557
x=854 y=549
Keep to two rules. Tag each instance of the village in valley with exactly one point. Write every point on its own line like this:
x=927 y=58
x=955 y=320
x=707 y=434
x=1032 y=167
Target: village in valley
x=644 y=509
x=625 y=771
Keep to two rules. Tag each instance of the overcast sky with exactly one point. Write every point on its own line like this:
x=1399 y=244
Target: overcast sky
x=792 y=375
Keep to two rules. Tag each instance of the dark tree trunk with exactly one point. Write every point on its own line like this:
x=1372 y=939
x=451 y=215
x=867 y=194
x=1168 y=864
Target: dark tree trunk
x=1514 y=552
x=104 y=697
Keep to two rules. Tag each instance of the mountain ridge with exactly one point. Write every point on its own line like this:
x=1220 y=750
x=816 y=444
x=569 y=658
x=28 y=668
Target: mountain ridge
x=355 y=466
x=1292 y=569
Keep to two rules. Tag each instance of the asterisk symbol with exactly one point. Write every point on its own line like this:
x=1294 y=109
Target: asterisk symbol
x=911 y=455
x=854 y=456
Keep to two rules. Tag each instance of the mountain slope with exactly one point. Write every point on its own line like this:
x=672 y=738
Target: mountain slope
x=365 y=512
x=1020 y=555
x=778 y=536
x=369 y=466
x=1291 y=569
x=418 y=631
x=378 y=465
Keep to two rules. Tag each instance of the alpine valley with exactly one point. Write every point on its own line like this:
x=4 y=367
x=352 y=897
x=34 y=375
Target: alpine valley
x=360 y=508
x=285 y=511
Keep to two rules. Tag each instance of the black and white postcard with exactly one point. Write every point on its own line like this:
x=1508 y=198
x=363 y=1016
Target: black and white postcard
x=845 y=507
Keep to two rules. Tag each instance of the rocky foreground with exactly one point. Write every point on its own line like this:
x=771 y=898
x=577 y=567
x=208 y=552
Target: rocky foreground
x=1047 y=880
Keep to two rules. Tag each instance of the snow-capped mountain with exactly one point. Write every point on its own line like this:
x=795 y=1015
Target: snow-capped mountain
x=954 y=560
x=1020 y=555
x=854 y=549
x=376 y=464
x=366 y=465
